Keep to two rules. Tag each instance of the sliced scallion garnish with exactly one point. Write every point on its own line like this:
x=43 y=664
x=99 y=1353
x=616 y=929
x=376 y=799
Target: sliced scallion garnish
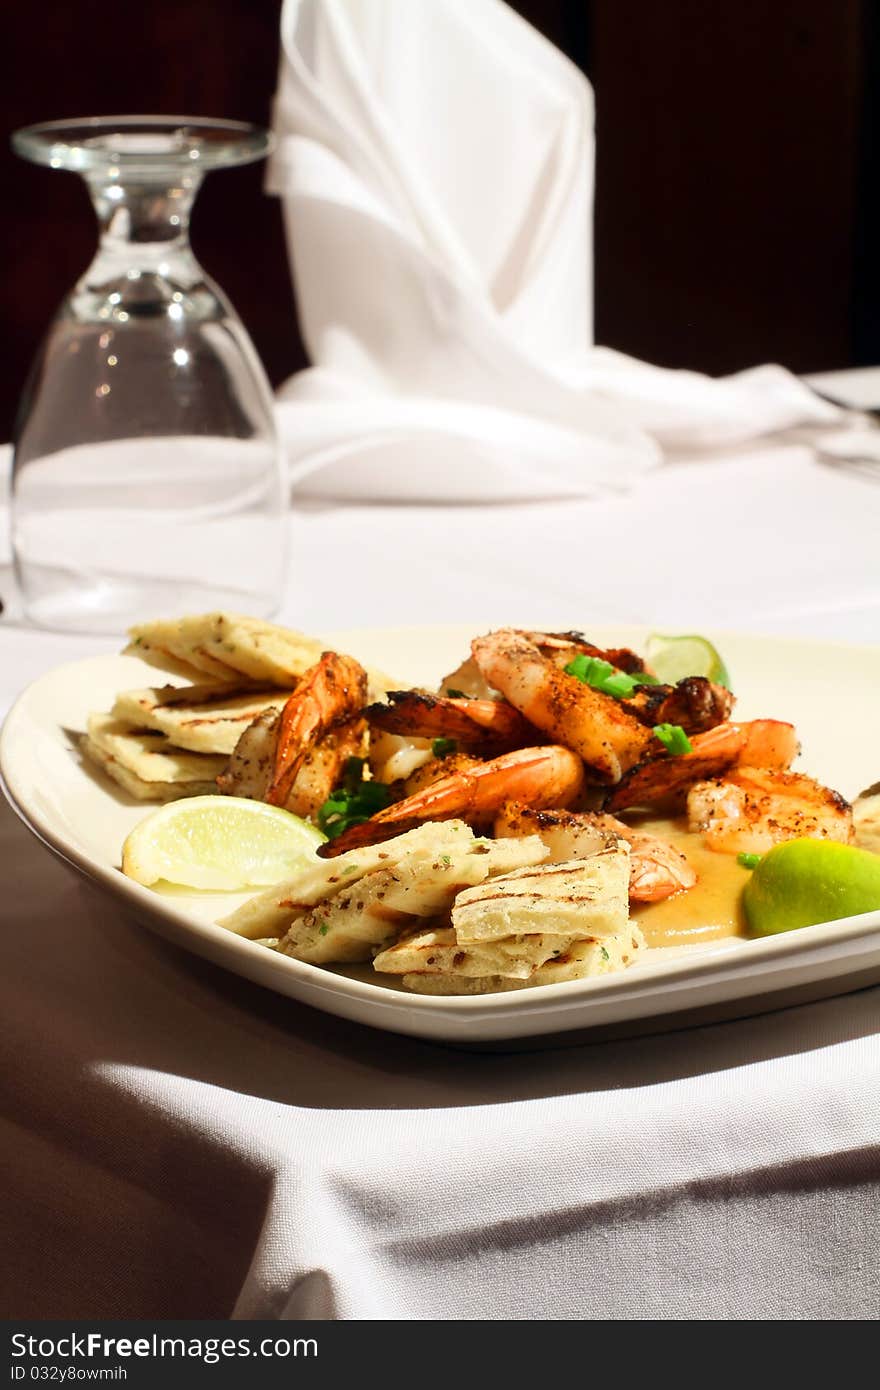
x=442 y=747
x=748 y=861
x=673 y=738
x=602 y=676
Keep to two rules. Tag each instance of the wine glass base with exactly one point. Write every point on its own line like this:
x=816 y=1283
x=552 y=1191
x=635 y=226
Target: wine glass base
x=109 y=604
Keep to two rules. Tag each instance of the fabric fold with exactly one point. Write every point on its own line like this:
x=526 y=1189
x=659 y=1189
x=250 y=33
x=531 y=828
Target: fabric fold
x=435 y=162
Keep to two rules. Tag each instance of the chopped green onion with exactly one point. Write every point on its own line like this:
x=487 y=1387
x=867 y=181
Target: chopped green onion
x=374 y=796
x=456 y=695
x=645 y=678
x=352 y=803
x=673 y=738
x=442 y=747
x=748 y=861
x=590 y=670
x=601 y=675
x=577 y=667
x=620 y=685
x=352 y=774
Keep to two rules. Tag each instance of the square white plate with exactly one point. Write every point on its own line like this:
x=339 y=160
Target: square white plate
x=829 y=692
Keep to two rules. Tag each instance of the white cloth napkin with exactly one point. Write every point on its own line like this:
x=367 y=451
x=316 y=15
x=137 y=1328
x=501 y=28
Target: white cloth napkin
x=435 y=159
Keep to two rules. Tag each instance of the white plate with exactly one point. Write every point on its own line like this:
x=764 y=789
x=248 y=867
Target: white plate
x=829 y=692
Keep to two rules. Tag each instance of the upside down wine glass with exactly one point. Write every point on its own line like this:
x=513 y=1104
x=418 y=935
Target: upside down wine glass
x=147 y=480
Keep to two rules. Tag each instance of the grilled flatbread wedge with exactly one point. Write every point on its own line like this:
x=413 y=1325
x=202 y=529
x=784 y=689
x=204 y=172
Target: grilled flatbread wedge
x=271 y=913
x=393 y=886
x=438 y=952
x=201 y=718
x=580 y=960
x=350 y=925
x=578 y=898
x=235 y=651
x=145 y=764
x=226 y=646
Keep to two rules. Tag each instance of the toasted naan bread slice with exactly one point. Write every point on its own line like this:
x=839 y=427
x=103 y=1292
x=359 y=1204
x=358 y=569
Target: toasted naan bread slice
x=580 y=960
x=444 y=858
x=233 y=649
x=375 y=911
x=351 y=925
x=271 y=912
x=145 y=764
x=436 y=951
x=227 y=647
x=577 y=898
x=201 y=718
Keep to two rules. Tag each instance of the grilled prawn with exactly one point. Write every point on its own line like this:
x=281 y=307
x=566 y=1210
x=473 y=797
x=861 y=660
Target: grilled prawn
x=593 y=725
x=695 y=703
x=752 y=809
x=331 y=693
x=540 y=777
x=294 y=757
x=471 y=723
x=666 y=778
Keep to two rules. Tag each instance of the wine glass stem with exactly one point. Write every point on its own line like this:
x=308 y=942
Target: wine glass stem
x=143 y=223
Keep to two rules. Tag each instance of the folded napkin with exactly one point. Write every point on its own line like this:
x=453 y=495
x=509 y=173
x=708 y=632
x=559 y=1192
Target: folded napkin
x=435 y=159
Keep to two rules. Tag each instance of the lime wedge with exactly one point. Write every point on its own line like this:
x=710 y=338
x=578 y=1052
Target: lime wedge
x=673 y=658
x=802 y=882
x=219 y=842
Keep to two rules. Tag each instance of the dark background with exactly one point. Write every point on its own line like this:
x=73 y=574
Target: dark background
x=736 y=208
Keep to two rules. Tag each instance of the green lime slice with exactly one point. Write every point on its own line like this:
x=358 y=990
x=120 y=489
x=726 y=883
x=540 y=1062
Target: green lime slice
x=219 y=842
x=802 y=882
x=673 y=658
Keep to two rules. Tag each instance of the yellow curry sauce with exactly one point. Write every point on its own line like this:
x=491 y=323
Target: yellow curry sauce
x=710 y=910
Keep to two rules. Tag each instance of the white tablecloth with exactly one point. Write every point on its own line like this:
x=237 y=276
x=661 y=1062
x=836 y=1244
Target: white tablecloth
x=176 y=1142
